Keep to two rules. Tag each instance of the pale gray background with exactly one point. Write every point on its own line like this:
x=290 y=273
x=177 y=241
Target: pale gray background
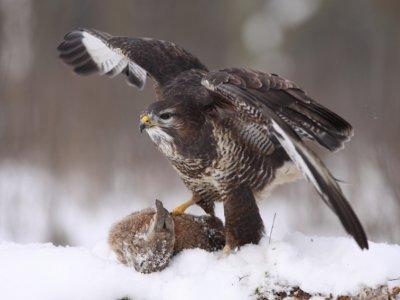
x=72 y=159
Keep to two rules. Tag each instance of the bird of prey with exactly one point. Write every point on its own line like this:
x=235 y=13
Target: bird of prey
x=230 y=134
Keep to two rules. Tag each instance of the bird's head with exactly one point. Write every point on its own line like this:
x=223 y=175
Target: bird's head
x=171 y=122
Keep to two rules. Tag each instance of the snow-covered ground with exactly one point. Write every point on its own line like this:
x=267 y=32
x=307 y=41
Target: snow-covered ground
x=36 y=206
x=315 y=264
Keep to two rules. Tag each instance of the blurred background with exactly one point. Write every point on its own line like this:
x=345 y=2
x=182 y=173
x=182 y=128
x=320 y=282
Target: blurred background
x=72 y=160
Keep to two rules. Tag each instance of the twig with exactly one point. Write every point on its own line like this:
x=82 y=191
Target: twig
x=394 y=279
x=272 y=228
x=241 y=277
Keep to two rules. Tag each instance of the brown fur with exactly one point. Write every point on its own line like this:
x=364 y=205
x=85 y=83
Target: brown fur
x=204 y=232
x=137 y=244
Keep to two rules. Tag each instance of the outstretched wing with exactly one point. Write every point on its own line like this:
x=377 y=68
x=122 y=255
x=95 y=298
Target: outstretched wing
x=306 y=117
x=90 y=51
x=287 y=113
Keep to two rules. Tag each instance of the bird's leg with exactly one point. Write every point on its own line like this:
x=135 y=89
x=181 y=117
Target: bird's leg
x=243 y=223
x=181 y=208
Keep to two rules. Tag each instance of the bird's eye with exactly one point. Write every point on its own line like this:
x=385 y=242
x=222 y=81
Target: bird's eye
x=165 y=116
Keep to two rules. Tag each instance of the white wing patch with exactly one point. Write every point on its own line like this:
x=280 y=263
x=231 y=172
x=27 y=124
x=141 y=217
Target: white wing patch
x=110 y=61
x=295 y=156
x=105 y=58
x=138 y=71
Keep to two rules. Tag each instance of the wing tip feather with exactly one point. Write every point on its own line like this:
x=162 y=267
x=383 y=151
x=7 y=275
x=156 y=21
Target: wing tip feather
x=316 y=172
x=79 y=49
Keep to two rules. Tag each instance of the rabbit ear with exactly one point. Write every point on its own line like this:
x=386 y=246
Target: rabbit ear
x=161 y=216
x=160 y=208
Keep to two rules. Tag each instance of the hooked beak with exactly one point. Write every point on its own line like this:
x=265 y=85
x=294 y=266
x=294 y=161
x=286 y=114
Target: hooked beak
x=145 y=122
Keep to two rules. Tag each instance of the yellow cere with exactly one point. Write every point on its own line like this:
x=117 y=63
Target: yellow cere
x=145 y=119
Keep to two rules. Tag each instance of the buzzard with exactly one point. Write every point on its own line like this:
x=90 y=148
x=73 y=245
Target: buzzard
x=230 y=134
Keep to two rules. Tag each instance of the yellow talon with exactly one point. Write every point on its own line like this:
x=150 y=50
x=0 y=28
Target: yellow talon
x=181 y=208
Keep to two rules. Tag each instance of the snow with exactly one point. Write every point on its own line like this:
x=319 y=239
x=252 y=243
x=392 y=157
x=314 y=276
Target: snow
x=315 y=264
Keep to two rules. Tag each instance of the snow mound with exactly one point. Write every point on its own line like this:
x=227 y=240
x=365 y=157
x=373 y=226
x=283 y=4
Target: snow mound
x=314 y=264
